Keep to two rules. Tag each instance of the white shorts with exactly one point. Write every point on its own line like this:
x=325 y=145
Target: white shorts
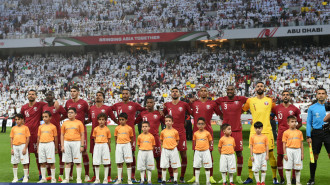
x=18 y=156
x=228 y=163
x=72 y=152
x=294 y=159
x=101 y=154
x=146 y=160
x=46 y=152
x=170 y=157
x=259 y=162
x=124 y=153
x=202 y=159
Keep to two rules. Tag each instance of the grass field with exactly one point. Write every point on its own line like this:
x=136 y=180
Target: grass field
x=322 y=173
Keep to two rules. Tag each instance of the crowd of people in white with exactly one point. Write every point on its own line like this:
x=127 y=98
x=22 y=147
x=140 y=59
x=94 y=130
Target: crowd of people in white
x=301 y=70
x=36 y=18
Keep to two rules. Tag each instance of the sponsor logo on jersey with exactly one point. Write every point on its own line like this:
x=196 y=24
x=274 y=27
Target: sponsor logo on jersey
x=266 y=103
x=317 y=115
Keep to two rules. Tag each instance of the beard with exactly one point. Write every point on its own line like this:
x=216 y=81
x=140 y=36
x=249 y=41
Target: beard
x=260 y=92
x=175 y=98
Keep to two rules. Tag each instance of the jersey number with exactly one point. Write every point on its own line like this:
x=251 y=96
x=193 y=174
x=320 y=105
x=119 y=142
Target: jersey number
x=225 y=106
x=280 y=116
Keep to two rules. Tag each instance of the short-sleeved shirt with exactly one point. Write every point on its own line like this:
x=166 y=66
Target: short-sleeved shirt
x=146 y=141
x=260 y=110
x=293 y=138
x=202 y=140
x=169 y=138
x=227 y=145
x=72 y=130
x=101 y=135
x=56 y=115
x=81 y=107
x=32 y=116
x=123 y=134
x=47 y=132
x=259 y=143
x=19 y=134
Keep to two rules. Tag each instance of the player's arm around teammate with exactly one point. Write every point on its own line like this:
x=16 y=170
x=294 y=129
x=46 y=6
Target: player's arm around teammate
x=19 y=141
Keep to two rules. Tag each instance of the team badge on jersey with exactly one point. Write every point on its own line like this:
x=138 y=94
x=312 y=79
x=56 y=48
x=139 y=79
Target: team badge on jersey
x=79 y=106
x=155 y=116
x=130 y=107
x=266 y=103
x=180 y=109
x=208 y=107
x=103 y=111
x=291 y=112
x=35 y=108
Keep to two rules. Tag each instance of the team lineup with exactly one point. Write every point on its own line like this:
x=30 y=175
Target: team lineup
x=69 y=140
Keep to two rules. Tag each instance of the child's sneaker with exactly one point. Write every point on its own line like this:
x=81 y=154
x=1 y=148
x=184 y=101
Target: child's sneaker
x=14 y=180
x=25 y=180
x=129 y=182
x=53 y=181
x=42 y=181
x=65 y=181
x=97 y=181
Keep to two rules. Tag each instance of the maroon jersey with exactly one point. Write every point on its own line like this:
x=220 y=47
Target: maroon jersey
x=32 y=116
x=232 y=110
x=178 y=112
x=94 y=111
x=205 y=110
x=282 y=114
x=130 y=109
x=154 y=118
x=81 y=107
x=56 y=116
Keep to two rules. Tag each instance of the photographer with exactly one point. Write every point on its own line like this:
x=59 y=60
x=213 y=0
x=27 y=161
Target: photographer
x=317 y=130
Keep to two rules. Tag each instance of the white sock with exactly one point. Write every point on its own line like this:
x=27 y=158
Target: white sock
x=43 y=173
x=120 y=171
x=298 y=177
x=67 y=173
x=149 y=175
x=224 y=180
x=197 y=172
x=288 y=175
x=263 y=176
x=26 y=173
x=129 y=174
x=106 y=171
x=52 y=172
x=231 y=177
x=97 y=172
x=142 y=175
x=175 y=177
x=15 y=173
x=207 y=174
x=164 y=175
x=256 y=176
x=78 y=173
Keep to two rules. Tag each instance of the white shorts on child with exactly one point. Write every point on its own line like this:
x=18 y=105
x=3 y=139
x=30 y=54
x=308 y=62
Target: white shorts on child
x=101 y=154
x=170 y=157
x=146 y=160
x=18 y=156
x=259 y=162
x=228 y=163
x=202 y=159
x=46 y=152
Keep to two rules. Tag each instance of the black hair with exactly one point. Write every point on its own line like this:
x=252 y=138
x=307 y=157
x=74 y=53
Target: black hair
x=20 y=116
x=224 y=126
x=102 y=115
x=47 y=112
x=169 y=116
x=258 y=124
x=123 y=115
x=72 y=108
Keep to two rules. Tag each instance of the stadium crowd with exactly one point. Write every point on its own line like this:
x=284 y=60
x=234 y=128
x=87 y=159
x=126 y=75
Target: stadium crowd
x=33 y=18
x=302 y=70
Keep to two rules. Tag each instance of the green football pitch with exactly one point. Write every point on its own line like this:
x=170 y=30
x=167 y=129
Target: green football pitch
x=322 y=173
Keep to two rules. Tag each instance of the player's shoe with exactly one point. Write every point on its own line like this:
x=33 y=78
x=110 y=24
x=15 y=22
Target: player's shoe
x=299 y=183
x=134 y=181
x=221 y=181
x=105 y=181
x=97 y=181
x=248 y=181
x=25 y=180
x=79 y=181
x=92 y=180
x=87 y=178
x=293 y=181
x=42 y=181
x=310 y=182
x=159 y=180
x=275 y=181
x=48 y=178
x=129 y=182
x=163 y=183
x=53 y=181
x=224 y=183
x=231 y=183
x=263 y=183
x=40 y=177
x=118 y=182
x=191 y=180
x=239 y=180
x=65 y=181
x=258 y=183
x=208 y=183
x=171 y=179
x=21 y=179
x=149 y=183
x=175 y=183
x=60 y=177
x=14 y=180
x=115 y=180
x=212 y=181
x=109 y=179
x=182 y=180
x=71 y=178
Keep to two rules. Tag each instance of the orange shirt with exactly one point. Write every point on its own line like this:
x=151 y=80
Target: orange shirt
x=124 y=134
x=169 y=138
x=47 y=133
x=227 y=145
x=146 y=141
x=202 y=140
x=259 y=143
x=101 y=135
x=72 y=130
x=19 y=134
x=293 y=138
